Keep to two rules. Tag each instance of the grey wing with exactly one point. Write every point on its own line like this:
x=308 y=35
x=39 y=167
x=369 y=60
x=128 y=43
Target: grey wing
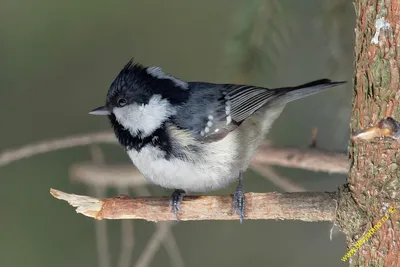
x=241 y=101
x=214 y=110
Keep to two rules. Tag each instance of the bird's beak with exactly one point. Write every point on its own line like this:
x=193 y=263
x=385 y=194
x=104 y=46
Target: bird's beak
x=100 y=111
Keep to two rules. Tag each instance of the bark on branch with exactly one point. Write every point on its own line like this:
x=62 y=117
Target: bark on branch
x=304 y=206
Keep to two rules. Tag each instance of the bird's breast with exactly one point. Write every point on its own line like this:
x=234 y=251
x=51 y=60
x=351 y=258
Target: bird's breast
x=214 y=165
x=215 y=168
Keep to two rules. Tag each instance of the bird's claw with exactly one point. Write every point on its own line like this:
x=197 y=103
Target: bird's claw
x=239 y=201
x=176 y=201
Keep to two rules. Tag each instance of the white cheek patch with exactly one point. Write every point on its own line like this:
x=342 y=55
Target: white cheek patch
x=144 y=118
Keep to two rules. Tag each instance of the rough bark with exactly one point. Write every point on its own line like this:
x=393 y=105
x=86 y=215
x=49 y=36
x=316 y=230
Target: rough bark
x=374 y=177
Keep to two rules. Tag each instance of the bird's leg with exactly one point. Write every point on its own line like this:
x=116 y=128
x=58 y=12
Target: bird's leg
x=176 y=200
x=239 y=200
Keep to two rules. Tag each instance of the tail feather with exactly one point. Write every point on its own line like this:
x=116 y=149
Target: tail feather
x=293 y=93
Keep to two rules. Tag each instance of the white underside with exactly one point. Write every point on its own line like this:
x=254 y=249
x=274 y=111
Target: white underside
x=219 y=167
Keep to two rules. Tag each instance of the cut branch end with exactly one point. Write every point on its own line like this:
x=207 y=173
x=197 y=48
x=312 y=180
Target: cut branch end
x=85 y=205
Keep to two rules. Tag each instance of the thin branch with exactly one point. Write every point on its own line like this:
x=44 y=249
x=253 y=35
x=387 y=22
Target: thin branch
x=127 y=238
x=168 y=238
x=304 y=206
x=304 y=158
x=282 y=182
x=97 y=153
x=312 y=159
x=173 y=251
x=125 y=176
x=103 y=254
x=117 y=176
x=30 y=150
x=153 y=245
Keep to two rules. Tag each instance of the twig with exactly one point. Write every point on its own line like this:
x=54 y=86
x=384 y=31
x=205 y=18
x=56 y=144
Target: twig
x=117 y=176
x=27 y=151
x=103 y=254
x=304 y=158
x=124 y=176
x=313 y=140
x=97 y=153
x=168 y=239
x=173 y=251
x=304 y=206
x=153 y=245
x=269 y=174
x=127 y=238
x=312 y=159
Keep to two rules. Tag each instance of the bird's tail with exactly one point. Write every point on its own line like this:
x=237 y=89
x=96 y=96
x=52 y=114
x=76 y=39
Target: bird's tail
x=288 y=94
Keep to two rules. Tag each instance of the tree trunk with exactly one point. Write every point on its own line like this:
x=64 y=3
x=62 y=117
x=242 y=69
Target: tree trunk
x=374 y=177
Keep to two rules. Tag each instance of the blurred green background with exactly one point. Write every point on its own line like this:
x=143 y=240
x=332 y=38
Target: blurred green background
x=57 y=61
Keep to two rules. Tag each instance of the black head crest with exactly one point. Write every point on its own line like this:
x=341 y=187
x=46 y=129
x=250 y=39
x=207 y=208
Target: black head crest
x=144 y=82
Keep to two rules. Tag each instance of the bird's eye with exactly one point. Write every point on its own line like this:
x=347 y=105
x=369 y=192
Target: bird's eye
x=121 y=102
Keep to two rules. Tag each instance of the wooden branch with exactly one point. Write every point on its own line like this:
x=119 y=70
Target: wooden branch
x=304 y=158
x=278 y=180
x=8 y=156
x=116 y=176
x=304 y=206
x=312 y=159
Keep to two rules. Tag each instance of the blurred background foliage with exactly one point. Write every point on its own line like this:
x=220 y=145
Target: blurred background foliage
x=57 y=61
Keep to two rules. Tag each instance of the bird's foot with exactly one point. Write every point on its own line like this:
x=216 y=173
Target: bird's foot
x=176 y=200
x=239 y=200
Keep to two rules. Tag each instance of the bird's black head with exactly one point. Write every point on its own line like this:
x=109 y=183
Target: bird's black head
x=141 y=98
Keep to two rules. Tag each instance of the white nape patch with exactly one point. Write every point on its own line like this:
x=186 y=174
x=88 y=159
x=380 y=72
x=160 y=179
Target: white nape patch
x=379 y=24
x=144 y=118
x=158 y=73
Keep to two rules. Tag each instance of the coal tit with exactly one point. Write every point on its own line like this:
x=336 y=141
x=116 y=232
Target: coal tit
x=193 y=136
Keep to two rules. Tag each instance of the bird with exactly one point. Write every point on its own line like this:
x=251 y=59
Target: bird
x=194 y=136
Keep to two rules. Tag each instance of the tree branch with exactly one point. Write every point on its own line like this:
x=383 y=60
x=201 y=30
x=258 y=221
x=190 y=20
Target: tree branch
x=282 y=182
x=304 y=158
x=116 y=175
x=312 y=159
x=304 y=206
x=8 y=156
